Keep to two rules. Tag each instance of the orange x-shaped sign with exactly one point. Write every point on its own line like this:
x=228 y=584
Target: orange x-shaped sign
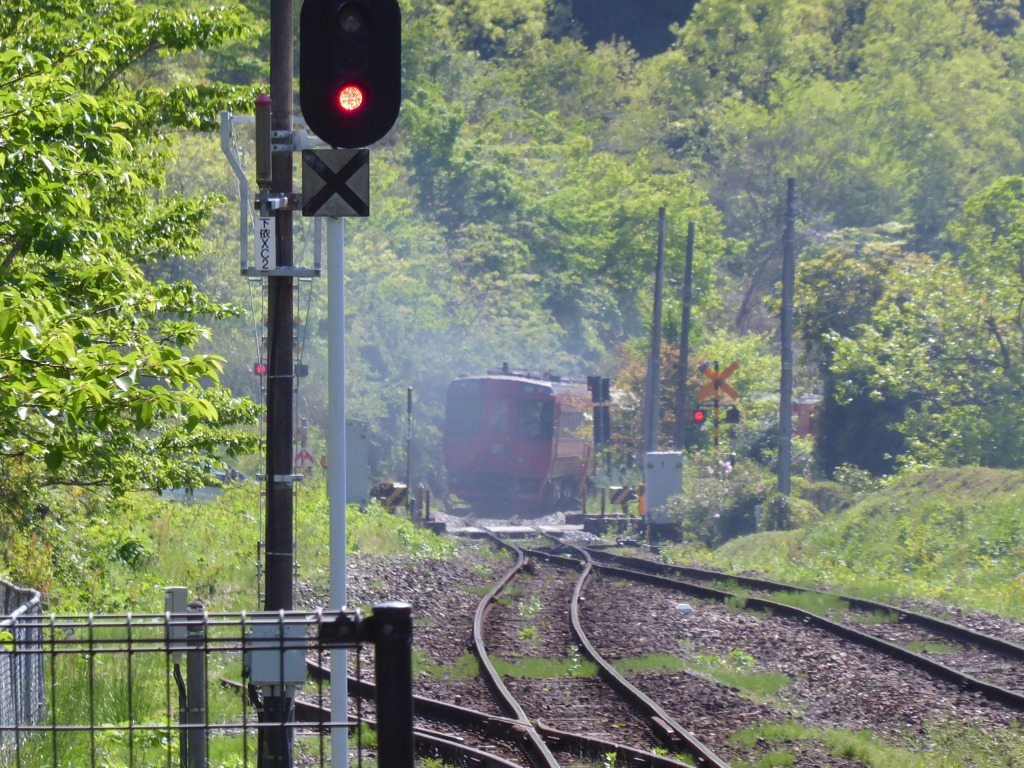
x=717 y=387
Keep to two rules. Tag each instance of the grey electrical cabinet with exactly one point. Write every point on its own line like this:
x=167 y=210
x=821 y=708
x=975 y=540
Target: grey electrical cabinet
x=357 y=463
x=663 y=478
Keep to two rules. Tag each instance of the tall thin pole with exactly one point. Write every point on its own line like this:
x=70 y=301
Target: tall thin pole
x=683 y=369
x=653 y=410
x=786 y=382
x=410 y=501
x=337 y=481
x=275 y=748
x=280 y=311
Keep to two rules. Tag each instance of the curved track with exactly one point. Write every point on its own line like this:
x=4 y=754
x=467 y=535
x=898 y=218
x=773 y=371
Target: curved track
x=670 y=731
x=693 y=581
x=496 y=728
x=535 y=746
x=524 y=726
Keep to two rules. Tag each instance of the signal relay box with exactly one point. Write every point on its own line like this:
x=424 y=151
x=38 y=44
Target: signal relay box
x=663 y=478
x=276 y=653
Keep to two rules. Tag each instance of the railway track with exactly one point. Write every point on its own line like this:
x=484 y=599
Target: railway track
x=488 y=733
x=660 y=723
x=973 y=660
x=582 y=593
x=538 y=740
x=992 y=657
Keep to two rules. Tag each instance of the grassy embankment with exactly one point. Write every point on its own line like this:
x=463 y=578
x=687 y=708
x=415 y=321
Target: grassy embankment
x=953 y=536
x=948 y=536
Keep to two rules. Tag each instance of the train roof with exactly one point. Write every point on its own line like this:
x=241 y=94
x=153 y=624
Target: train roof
x=547 y=377
x=574 y=390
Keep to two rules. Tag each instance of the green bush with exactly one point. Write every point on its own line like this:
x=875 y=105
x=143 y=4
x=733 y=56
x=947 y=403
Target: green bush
x=828 y=496
x=784 y=513
x=718 y=499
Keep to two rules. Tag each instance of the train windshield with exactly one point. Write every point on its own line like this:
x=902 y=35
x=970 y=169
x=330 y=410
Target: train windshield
x=464 y=415
x=497 y=420
x=536 y=419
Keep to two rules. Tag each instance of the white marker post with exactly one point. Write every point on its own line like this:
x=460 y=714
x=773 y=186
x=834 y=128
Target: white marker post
x=336 y=481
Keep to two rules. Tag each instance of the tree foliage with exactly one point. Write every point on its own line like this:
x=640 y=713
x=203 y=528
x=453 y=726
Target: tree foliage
x=99 y=386
x=514 y=211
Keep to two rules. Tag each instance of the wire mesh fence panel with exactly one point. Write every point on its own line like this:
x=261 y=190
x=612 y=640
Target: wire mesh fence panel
x=184 y=689
x=21 y=676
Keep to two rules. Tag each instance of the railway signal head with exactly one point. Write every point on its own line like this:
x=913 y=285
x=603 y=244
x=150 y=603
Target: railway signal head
x=700 y=416
x=350 y=69
x=732 y=415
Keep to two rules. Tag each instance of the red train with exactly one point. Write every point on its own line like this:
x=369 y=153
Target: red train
x=515 y=440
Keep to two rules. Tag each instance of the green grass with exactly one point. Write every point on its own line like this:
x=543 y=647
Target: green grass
x=875 y=617
x=655 y=662
x=132 y=703
x=735 y=603
x=818 y=603
x=541 y=668
x=928 y=646
x=530 y=608
x=529 y=634
x=466 y=667
x=736 y=670
x=952 y=536
x=949 y=745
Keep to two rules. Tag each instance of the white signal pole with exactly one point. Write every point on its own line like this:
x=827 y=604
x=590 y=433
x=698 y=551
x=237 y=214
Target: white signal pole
x=337 y=489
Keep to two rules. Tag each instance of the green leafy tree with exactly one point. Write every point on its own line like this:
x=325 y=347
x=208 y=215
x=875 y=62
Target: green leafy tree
x=945 y=337
x=882 y=111
x=99 y=386
x=836 y=295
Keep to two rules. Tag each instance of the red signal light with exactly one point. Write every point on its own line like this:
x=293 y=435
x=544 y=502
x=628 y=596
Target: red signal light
x=699 y=416
x=351 y=98
x=259 y=368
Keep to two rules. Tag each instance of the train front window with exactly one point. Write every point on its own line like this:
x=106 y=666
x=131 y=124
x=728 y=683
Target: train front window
x=464 y=415
x=536 y=419
x=499 y=417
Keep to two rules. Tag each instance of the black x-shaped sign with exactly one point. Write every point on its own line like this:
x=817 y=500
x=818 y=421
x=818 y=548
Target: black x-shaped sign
x=330 y=192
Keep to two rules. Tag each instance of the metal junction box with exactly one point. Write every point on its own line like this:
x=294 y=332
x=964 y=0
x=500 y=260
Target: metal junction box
x=663 y=478
x=277 y=653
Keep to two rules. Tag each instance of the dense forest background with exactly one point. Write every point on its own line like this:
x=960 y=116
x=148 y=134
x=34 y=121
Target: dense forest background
x=514 y=211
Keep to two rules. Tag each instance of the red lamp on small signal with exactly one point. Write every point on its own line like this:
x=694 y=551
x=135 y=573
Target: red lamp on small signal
x=350 y=98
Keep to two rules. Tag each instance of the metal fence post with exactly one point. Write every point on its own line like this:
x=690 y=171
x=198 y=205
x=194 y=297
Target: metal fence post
x=392 y=636
x=195 y=661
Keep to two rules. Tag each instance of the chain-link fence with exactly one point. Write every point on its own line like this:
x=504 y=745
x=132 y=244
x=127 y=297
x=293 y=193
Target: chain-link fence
x=21 y=675
x=194 y=689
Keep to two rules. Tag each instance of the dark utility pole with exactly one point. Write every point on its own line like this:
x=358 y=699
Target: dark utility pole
x=280 y=383
x=653 y=411
x=786 y=382
x=275 y=746
x=683 y=368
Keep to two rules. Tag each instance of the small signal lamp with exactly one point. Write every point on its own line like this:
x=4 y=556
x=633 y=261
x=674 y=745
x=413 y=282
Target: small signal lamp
x=700 y=416
x=350 y=98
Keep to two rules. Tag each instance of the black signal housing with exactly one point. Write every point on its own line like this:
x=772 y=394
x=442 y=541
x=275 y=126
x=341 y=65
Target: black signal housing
x=350 y=69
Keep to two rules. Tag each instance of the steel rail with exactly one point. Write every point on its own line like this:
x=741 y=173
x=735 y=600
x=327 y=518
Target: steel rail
x=534 y=744
x=429 y=744
x=963 y=680
x=995 y=644
x=663 y=724
x=505 y=728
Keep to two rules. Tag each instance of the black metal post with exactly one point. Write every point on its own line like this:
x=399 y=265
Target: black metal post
x=392 y=637
x=684 y=342
x=275 y=749
x=786 y=332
